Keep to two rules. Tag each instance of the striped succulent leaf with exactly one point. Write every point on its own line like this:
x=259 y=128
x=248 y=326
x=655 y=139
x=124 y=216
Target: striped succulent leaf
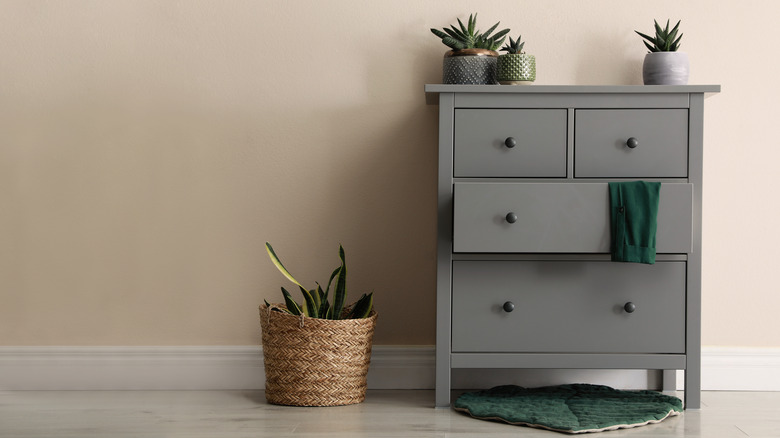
x=466 y=36
x=665 y=40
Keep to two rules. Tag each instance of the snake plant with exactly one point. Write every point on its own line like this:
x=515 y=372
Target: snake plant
x=665 y=40
x=467 y=37
x=315 y=301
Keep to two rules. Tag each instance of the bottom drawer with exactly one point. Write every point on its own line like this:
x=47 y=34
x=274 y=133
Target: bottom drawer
x=568 y=307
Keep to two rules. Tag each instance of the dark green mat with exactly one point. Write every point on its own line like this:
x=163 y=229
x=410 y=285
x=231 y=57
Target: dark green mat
x=574 y=408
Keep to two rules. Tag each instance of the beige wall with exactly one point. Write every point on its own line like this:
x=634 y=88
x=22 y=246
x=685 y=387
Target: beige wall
x=148 y=149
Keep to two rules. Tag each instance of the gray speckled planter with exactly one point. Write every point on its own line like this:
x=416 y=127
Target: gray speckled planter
x=665 y=68
x=463 y=67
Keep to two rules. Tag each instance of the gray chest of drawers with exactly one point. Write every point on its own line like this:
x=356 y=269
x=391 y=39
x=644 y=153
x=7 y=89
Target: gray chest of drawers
x=524 y=277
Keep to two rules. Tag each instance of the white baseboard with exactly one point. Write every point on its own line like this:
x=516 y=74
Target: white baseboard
x=392 y=367
x=739 y=369
x=96 y=368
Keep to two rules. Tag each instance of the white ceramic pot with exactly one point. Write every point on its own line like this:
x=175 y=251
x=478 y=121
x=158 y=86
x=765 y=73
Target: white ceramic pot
x=666 y=68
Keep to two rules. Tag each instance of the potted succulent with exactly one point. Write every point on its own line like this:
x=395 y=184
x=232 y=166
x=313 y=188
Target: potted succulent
x=472 y=59
x=317 y=353
x=516 y=67
x=664 y=64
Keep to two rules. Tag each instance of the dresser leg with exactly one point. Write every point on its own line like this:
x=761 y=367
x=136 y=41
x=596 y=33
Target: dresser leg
x=693 y=388
x=443 y=378
x=443 y=391
x=669 y=381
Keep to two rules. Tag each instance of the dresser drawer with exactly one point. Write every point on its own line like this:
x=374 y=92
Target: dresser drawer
x=538 y=138
x=557 y=217
x=601 y=150
x=568 y=307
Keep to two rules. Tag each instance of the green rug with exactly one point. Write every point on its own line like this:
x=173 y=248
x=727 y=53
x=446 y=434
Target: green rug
x=574 y=408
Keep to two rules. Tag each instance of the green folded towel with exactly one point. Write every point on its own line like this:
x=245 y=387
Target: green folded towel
x=633 y=220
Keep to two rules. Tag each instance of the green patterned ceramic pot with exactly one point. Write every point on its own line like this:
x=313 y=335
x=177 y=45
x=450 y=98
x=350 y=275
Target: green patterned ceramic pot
x=516 y=68
x=470 y=66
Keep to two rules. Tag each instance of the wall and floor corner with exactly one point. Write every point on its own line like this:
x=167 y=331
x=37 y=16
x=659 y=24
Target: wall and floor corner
x=392 y=367
x=149 y=149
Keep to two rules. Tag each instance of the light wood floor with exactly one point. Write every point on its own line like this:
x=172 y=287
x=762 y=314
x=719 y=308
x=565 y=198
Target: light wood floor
x=231 y=414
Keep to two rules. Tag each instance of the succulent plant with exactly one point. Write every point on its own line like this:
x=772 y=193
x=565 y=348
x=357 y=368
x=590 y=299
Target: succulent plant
x=467 y=37
x=316 y=304
x=665 y=40
x=514 y=47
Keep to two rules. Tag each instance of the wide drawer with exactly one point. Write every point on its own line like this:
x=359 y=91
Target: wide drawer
x=601 y=143
x=568 y=307
x=557 y=217
x=537 y=138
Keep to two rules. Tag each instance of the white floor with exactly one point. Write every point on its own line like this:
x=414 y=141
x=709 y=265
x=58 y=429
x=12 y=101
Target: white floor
x=400 y=413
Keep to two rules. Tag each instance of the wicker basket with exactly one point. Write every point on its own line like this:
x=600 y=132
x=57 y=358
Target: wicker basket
x=315 y=362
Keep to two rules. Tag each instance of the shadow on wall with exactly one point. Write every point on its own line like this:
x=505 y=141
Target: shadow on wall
x=621 y=65
x=374 y=191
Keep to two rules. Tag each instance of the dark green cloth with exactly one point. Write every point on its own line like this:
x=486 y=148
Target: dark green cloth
x=634 y=220
x=575 y=408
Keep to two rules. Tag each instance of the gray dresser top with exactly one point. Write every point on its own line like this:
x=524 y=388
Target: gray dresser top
x=432 y=90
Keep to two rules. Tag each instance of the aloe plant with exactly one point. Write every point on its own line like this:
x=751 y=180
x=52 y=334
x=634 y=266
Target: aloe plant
x=467 y=37
x=316 y=303
x=665 y=40
x=514 y=47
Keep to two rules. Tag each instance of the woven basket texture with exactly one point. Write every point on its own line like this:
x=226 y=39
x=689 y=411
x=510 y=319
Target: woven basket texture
x=315 y=362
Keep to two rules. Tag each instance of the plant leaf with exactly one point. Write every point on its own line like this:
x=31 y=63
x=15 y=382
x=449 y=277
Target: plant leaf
x=676 y=44
x=292 y=306
x=497 y=44
x=458 y=34
x=340 y=293
x=317 y=298
x=489 y=31
x=463 y=28
x=276 y=309
x=453 y=43
x=453 y=34
x=332 y=276
x=321 y=294
x=438 y=33
x=310 y=308
x=672 y=34
x=362 y=307
x=325 y=305
x=645 y=36
x=501 y=33
x=658 y=29
x=279 y=265
x=661 y=43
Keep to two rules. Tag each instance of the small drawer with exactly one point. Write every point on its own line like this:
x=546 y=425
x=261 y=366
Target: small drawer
x=557 y=217
x=636 y=143
x=510 y=143
x=568 y=307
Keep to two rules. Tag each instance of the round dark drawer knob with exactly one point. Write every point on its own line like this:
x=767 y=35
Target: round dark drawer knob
x=508 y=306
x=510 y=142
x=632 y=142
x=629 y=307
x=511 y=218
